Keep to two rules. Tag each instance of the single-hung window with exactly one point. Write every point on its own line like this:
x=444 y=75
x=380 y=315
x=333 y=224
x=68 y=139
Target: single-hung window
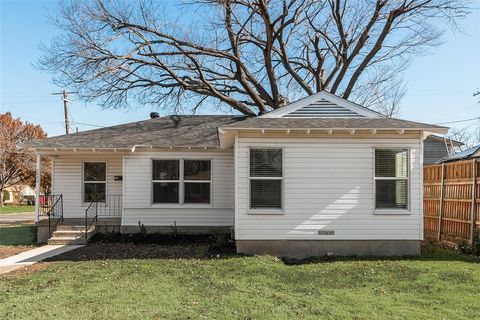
x=94 y=181
x=166 y=181
x=266 y=175
x=197 y=177
x=391 y=178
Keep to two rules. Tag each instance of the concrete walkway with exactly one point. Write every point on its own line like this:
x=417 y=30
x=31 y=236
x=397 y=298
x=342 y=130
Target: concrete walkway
x=17 y=217
x=32 y=256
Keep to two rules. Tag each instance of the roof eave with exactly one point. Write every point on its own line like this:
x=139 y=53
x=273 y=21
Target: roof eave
x=427 y=129
x=40 y=149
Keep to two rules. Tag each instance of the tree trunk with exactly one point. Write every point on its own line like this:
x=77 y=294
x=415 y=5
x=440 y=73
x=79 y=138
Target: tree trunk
x=1 y=198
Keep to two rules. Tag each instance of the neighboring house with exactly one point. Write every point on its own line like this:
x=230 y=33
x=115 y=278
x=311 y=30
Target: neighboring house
x=470 y=153
x=437 y=148
x=19 y=194
x=321 y=175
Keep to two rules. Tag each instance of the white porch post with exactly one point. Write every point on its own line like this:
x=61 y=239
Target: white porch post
x=38 y=177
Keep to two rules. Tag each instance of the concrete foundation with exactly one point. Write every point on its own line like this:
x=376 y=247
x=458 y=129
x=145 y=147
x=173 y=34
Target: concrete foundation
x=301 y=249
x=42 y=232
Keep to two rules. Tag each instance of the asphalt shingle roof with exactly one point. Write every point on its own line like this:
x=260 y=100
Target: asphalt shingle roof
x=329 y=123
x=200 y=131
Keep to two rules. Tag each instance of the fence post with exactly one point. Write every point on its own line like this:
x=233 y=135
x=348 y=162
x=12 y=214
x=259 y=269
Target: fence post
x=440 y=214
x=473 y=228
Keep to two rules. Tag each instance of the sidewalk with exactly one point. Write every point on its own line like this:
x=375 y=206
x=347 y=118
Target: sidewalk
x=32 y=256
x=11 y=218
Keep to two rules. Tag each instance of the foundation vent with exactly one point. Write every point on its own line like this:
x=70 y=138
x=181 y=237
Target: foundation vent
x=326 y=232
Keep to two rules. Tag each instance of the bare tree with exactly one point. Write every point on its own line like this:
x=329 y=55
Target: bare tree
x=469 y=135
x=383 y=95
x=252 y=55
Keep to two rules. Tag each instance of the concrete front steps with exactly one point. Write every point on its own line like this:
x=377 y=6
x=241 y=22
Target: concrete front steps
x=71 y=235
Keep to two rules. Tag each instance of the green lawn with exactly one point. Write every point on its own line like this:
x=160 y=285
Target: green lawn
x=16 y=209
x=440 y=285
x=17 y=235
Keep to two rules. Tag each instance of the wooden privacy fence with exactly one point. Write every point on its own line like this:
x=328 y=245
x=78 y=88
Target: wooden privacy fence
x=451 y=197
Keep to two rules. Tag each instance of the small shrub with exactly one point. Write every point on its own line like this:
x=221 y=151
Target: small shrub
x=465 y=247
x=219 y=238
x=143 y=229
x=174 y=229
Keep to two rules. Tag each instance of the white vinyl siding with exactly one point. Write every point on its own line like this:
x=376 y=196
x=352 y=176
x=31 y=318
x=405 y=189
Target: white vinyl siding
x=328 y=186
x=67 y=179
x=138 y=192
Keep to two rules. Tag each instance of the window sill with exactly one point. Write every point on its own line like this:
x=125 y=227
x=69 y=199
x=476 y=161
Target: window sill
x=178 y=205
x=266 y=211
x=392 y=212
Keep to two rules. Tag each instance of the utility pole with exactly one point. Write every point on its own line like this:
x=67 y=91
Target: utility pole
x=65 y=93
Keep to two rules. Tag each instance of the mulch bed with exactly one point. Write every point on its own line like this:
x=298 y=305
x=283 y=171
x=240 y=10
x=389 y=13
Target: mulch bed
x=119 y=251
x=151 y=246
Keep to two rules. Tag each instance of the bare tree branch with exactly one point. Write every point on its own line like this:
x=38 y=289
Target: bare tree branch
x=251 y=55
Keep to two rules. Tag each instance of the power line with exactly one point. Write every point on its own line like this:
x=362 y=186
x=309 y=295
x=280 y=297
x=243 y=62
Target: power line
x=457 y=121
x=89 y=124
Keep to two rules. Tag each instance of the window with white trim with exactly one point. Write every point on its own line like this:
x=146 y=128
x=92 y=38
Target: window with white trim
x=94 y=181
x=196 y=181
x=391 y=178
x=181 y=181
x=266 y=178
x=166 y=181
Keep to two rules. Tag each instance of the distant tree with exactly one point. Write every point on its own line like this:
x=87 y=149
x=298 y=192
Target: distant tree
x=17 y=166
x=252 y=55
x=469 y=136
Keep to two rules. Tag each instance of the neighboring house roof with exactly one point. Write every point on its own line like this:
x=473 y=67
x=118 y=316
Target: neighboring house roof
x=319 y=111
x=159 y=132
x=473 y=152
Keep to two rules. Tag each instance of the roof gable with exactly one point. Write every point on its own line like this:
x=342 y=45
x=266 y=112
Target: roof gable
x=322 y=105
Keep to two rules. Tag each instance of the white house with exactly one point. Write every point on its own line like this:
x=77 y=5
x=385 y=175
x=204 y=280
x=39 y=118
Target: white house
x=321 y=175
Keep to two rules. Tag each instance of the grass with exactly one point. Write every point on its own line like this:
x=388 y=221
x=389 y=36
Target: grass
x=16 y=235
x=16 y=209
x=440 y=285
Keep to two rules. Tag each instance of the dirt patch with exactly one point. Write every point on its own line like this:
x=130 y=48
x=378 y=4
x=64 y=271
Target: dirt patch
x=120 y=251
x=39 y=266
x=8 y=251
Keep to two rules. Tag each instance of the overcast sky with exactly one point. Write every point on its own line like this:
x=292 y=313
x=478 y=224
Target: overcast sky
x=440 y=83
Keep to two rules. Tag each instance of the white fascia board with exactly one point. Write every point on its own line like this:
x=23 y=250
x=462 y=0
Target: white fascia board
x=78 y=150
x=292 y=107
x=425 y=130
